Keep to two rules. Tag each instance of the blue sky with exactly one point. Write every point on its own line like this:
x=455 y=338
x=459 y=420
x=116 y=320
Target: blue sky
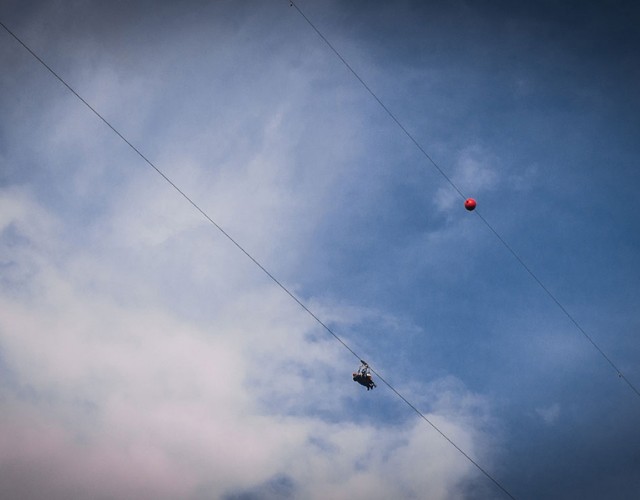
x=143 y=355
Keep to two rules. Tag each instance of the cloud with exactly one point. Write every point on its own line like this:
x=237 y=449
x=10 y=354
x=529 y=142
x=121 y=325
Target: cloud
x=549 y=414
x=475 y=171
x=145 y=355
x=112 y=393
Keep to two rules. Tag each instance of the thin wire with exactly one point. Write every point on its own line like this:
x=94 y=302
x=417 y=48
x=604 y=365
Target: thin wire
x=382 y=105
x=174 y=186
x=245 y=252
x=453 y=185
x=495 y=481
x=559 y=304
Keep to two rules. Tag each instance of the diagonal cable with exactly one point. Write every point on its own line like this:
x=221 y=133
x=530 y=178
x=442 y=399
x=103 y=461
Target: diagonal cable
x=455 y=187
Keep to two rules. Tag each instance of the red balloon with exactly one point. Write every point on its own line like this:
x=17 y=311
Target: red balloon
x=470 y=204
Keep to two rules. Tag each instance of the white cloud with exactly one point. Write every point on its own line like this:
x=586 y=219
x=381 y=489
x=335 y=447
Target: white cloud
x=550 y=414
x=475 y=172
x=146 y=357
x=131 y=399
x=477 y=169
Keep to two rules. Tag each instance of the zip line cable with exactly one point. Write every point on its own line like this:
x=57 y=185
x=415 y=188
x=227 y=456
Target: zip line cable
x=562 y=308
x=174 y=186
x=246 y=253
x=495 y=481
x=455 y=187
x=382 y=105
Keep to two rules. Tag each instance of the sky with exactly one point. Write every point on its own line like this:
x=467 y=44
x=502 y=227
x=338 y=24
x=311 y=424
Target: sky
x=144 y=355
